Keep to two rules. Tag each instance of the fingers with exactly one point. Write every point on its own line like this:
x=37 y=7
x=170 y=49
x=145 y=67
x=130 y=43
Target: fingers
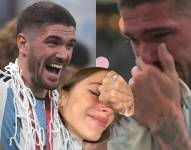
x=117 y=86
x=117 y=100
x=111 y=77
x=116 y=93
x=113 y=96
x=140 y=63
x=113 y=82
x=166 y=60
x=135 y=70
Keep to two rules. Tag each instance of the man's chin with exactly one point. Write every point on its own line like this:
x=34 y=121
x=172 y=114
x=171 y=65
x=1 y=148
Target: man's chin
x=52 y=86
x=46 y=84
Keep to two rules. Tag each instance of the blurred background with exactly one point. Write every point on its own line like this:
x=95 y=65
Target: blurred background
x=109 y=42
x=84 y=12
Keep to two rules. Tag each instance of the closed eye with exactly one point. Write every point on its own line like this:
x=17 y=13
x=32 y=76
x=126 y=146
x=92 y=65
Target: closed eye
x=96 y=93
x=159 y=33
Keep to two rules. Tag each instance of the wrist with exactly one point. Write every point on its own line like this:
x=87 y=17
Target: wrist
x=173 y=132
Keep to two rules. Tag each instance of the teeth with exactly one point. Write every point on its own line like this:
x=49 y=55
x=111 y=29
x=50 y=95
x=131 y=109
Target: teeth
x=56 y=66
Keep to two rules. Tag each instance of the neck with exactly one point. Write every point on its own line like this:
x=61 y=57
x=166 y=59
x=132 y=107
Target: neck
x=74 y=134
x=38 y=91
x=78 y=138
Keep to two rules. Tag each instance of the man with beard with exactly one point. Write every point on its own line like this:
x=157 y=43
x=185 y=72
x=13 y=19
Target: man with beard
x=29 y=116
x=160 y=35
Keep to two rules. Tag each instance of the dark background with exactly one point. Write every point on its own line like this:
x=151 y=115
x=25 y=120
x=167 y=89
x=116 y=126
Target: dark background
x=109 y=41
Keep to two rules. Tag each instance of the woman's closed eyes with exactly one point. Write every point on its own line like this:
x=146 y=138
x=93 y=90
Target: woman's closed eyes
x=94 y=92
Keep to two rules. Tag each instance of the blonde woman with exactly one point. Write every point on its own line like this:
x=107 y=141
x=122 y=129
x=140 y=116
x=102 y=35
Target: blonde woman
x=84 y=116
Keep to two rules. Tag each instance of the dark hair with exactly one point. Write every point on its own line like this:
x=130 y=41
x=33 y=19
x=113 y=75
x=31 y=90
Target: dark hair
x=133 y=3
x=178 y=4
x=44 y=12
x=80 y=75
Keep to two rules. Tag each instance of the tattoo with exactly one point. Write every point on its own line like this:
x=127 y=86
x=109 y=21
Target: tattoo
x=173 y=132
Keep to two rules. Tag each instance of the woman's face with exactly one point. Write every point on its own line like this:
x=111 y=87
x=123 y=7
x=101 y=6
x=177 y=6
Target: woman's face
x=84 y=116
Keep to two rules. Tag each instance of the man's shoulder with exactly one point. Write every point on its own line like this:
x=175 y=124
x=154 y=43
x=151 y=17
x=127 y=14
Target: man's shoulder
x=5 y=76
x=5 y=85
x=4 y=96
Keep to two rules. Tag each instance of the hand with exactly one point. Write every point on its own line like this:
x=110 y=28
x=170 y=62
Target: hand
x=158 y=101
x=116 y=93
x=156 y=91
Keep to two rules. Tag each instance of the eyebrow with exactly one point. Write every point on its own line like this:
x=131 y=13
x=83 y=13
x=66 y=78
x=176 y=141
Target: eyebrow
x=151 y=31
x=59 y=39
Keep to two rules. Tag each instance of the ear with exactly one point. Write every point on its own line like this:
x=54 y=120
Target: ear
x=62 y=100
x=22 y=43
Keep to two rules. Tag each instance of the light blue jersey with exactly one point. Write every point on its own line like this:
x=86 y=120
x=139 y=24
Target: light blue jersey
x=8 y=121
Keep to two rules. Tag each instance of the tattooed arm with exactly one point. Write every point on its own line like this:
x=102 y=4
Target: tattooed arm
x=172 y=131
x=158 y=100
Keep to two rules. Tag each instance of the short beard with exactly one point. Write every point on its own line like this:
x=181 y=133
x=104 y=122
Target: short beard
x=36 y=79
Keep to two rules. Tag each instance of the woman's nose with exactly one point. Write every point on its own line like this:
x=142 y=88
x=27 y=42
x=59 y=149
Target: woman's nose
x=106 y=109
